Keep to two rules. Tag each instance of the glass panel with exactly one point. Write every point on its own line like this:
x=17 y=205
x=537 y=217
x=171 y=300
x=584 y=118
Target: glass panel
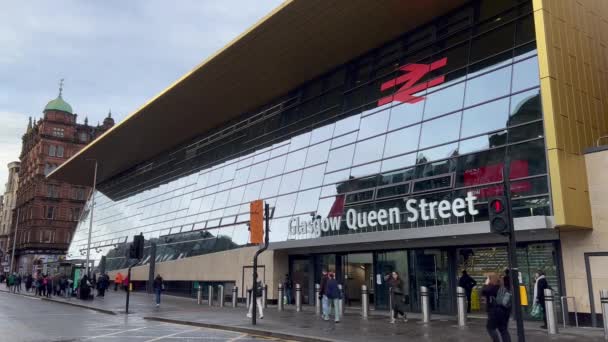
x=295 y=160
x=336 y=177
x=346 y=125
x=240 y=177
x=280 y=150
x=442 y=182
x=528 y=159
x=299 y=141
x=405 y=114
x=275 y=166
x=436 y=153
x=236 y=195
x=395 y=190
x=483 y=142
x=360 y=196
x=489 y=86
x=312 y=176
x=270 y=187
x=444 y=101
x=373 y=124
x=285 y=205
x=402 y=141
x=340 y=158
x=252 y=192
x=396 y=177
x=290 y=182
x=317 y=153
x=480 y=168
x=447 y=125
x=485 y=118
x=369 y=150
x=526 y=132
x=344 y=140
x=525 y=74
x=257 y=171
x=525 y=107
x=322 y=133
x=220 y=200
x=307 y=201
x=364 y=170
x=229 y=171
x=398 y=162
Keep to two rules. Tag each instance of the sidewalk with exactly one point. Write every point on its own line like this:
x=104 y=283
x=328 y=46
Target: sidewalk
x=306 y=326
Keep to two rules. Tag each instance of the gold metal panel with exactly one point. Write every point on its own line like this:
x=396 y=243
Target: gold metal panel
x=297 y=42
x=573 y=69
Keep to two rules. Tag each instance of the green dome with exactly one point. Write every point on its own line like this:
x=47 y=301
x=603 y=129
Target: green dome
x=58 y=104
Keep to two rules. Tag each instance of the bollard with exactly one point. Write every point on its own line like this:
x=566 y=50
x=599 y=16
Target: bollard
x=341 y=301
x=235 y=290
x=220 y=297
x=604 y=303
x=317 y=299
x=424 y=299
x=364 y=302
x=298 y=298
x=199 y=295
x=248 y=298
x=280 y=300
x=462 y=306
x=210 y=301
x=265 y=296
x=550 y=312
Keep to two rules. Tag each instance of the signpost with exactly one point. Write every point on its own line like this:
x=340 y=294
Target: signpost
x=256 y=228
x=135 y=251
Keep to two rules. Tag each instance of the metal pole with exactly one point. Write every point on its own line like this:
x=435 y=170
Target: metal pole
x=14 y=241
x=220 y=296
x=235 y=291
x=199 y=295
x=317 y=299
x=512 y=253
x=91 y=222
x=604 y=303
x=364 y=302
x=255 y=262
x=248 y=298
x=210 y=301
x=280 y=301
x=550 y=312
x=424 y=299
x=128 y=289
x=265 y=296
x=341 y=301
x=462 y=306
x=390 y=301
x=298 y=298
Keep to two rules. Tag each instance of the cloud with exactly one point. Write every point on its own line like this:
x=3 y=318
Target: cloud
x=112 y=54
x=11 y=129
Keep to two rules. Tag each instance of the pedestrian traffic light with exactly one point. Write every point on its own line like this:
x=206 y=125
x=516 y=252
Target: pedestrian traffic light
x=499 y=215
x=256 y=225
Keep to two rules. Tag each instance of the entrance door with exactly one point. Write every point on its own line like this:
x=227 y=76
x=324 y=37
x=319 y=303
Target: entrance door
x=301 y=273
x=386 y=263
x=357 y=270
x=431 y=270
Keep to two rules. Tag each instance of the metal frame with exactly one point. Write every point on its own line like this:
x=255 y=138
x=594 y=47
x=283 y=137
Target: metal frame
x=588 y=255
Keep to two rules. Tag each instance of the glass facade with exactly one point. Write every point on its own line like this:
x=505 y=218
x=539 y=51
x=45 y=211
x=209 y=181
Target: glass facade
x=358 y=137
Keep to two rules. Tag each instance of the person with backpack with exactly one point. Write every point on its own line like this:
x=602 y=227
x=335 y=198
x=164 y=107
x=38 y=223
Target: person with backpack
x=333 y=295
x=498 y=303
x=467 y=283
x=540 y=286
x=158 y=288
x=258 y=288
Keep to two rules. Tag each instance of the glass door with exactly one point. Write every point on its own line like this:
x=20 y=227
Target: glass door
x=301 y=273
x=386 y=263
x=357 y=270
x=431 y=269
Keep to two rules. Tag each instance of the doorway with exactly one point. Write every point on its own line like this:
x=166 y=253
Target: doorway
x=386 y=263
x=357 y=270
x=431 y=269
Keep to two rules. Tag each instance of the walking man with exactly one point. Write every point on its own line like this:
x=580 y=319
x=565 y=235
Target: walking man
x=467 y=283
x=258 y=288
x=333 y=295
x=158 y=288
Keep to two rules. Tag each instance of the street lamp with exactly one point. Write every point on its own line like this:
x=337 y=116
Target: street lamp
x=91 y=219
x=14 y=241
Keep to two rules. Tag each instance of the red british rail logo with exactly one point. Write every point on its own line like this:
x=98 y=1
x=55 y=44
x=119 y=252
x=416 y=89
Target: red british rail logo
x=414 y=72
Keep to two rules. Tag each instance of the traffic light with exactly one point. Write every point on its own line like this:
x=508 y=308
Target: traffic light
x=136 y=248
x=499 y=215
x=256 y=223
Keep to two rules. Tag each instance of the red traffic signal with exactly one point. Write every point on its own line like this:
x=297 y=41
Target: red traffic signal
x=499 y=215
x=497 y=206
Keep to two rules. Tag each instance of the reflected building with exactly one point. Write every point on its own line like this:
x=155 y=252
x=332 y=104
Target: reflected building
x=376 y=157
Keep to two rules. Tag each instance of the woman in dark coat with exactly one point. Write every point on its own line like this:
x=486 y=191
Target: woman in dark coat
x=397 y=293
x=84 y=286
x=498 y=315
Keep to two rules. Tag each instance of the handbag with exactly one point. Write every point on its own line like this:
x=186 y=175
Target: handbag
x=536 y=311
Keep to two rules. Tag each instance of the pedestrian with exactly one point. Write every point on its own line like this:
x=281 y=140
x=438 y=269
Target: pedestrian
x=85 y=287
x=11 y=282
x=397 y=293
x=540 y=286
x=498 y=300
x=70 y=287
x=38 y=285
x=117 y=281
x=125 y=283
x=158 y=288
x=467 y=283
x=63 y=285
x=18 y=282
x=288 y=286
x=258 y=288
x=102 y=285
x=49 y=286
x=323 y=295
x=333 y=295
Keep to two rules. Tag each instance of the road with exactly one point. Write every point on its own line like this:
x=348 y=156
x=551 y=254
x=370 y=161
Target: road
x=27 y=319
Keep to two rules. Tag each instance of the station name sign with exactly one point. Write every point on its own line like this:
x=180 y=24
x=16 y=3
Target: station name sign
x=416 y=209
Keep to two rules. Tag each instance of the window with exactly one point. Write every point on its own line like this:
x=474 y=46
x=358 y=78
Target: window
x=60 y=151
x=488 y=117
x=83 y=137
x=75 y=214
x=79 y=193
x=58 y=132
x=53 y=191
x=439 y=131
x=489 y=86
x=402 y=141
x=50 y=213
x=52 y=150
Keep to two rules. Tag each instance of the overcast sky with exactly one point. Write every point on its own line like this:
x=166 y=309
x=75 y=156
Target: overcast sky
x=112 y=54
